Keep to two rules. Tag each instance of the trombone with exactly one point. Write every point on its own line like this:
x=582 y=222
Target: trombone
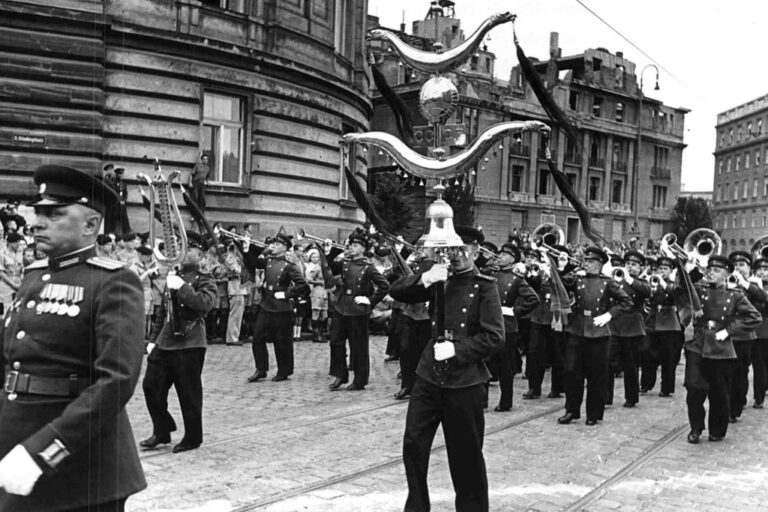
x=303 y=235
x=241 y=238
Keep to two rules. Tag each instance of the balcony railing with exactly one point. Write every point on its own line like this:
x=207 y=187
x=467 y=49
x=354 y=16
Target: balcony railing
x=545 y=200
x=620 y=166
x=519 y=150
x=620 y=207
x=663 y=173
x=597 y=162
x=542 y=154
x=573 y=158
x=597 y=205
x=519 y=197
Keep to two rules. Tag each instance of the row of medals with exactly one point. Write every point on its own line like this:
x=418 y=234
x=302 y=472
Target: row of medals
x=60 y=299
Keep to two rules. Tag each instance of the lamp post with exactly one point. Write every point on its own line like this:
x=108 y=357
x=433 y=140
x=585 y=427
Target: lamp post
x=636 y=166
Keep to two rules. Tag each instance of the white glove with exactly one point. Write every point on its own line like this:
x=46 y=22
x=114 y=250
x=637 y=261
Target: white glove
x=562 y=261
x=362 y=299
x=581 y=272
x=602 y=320
x=280 y=295
x=506 y=311
x=174 y=282
x=628 y=278
x=721 y=335
x=19 y=472
x=756 y=280
x=444 y=350
x=607 y=270
x=150 y=347
x=438 y=272
x=663 y=283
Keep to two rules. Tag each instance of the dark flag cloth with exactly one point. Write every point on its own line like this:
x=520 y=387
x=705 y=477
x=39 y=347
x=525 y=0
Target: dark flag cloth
x=560 y=304
x=691 y=309
x=399 y=110
x=200 y=220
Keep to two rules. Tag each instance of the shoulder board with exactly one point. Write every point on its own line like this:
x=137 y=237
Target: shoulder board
x=486 y=278
x=105 y=263
x=37 y=265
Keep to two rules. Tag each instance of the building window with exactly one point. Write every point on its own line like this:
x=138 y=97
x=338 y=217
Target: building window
x=351 y=161
x=596 y=64
x=620 y=76
x=749 y=129
x=759 y=126
x=597 y=151
x=597 y=106
x=230 y=5
x=659 y=196
x=765 y=187
x=340 y=27
x=660 y=157
x=543 y=189
x=745 y=190
x=720 y=167
x=755 y=187
x=722 y=138
x=617 y=191
x=736 y=190
x=516 y=178
x=223 y=136
x=743 y=224
x=730 y=136
x=726 y=191
x=719 y=194
x=728 y=165
x=757 y=158
x=620 y=112
x=739 y=134
x=573 y=100
x=746 y=160
x=738 y=164
x=594 y=188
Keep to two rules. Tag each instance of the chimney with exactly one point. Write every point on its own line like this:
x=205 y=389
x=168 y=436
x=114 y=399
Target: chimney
x=620 y=55
x=554 y=38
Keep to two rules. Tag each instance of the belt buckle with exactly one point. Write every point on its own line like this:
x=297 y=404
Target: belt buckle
x=711 y=324
x=270 y=287
x=349 y=292
x=11 y=380
x=587 y=312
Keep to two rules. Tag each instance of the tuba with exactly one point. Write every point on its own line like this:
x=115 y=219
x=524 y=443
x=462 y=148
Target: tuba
x=547 y=235
x=760 y=248
x=703 y=243
x=174 y=234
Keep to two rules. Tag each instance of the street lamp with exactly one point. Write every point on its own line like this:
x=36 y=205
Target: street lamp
x=636 y=193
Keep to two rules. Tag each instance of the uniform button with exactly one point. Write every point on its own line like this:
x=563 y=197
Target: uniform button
x=477 y=285
x=20 y=335
x=463 y=310
x=461 y=325
x=46 y=277
x=30 y=304
x=8 y=321
x=471 y=294
x=16 y=365
x=433 y=323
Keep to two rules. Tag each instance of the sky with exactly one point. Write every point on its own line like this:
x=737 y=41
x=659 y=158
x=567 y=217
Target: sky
x=709 y=53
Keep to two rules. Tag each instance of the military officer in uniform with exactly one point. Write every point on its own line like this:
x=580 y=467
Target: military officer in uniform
x=752 y=289
x=517 y=299
x=710 y=354
x=359 y=288
x=71 y=357
x=283 y=280
x=628 y=327
x=177 y=352
x=451 y=376
x=666 y=333
x=598 y=299
x=760 y=345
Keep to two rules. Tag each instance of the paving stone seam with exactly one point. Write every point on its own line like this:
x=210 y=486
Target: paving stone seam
x=627 y=470
x=304 y=489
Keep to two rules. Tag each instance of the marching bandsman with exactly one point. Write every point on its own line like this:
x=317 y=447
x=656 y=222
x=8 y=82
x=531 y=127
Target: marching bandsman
x=283 y=281
x=760 y=345
x=517 y=299
x=177 y=352
x=752 y=288
x=71 y=358
x=598 y=299
x=451 y=376
x=628 y=327
x=710 y=355
x=666 y=333
x=359 y=288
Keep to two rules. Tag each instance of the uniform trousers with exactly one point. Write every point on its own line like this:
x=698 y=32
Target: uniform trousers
x=182 y=369
x=354 y=329
x=394 y=340
x=415 y=334
x=759 y=369
x=740 y=378
x=586 y=358
x=625 y=356
x=276 y=327
x=717 y=373
x=545 y=346
x=110 y=506
x=507 y=363
x=198 y=194
x=666 y=347
x=461 y=414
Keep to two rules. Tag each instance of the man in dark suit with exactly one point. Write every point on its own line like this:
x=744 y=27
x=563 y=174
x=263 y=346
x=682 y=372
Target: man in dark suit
x=177 y=352
x=71 y=357
x=451 y=376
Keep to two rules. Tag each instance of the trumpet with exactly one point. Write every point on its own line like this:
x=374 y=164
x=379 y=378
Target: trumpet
x=618 y=273
x=655 y=280
x=670 y=242
x=732 y=280
x=487 y=252
x=241 y=238
x=303 y=235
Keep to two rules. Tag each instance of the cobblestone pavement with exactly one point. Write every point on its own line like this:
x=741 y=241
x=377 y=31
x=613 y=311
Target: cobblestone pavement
x=295 y=446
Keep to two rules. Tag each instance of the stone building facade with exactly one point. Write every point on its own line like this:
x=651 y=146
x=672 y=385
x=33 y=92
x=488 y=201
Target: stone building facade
x=265 y=87
x=740 y=189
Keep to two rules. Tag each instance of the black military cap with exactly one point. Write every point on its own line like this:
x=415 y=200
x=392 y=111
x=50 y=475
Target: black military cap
x=511 y=250
x=635 y=256
x=103 y=239
x=144 y=250
x=382 y=250
x=740 y=256
x=359 y=236
x=490 y=246
x=664 y=260
x=470 y=235
x=595 y=253
x=62 y=186
x=129 y=237
x=760 y=263
x=530 y=251
x=718 y=261
x=286 y=240
x=616 y=260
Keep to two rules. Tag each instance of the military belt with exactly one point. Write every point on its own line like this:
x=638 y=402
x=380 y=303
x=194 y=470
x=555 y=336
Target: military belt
x=24 y=383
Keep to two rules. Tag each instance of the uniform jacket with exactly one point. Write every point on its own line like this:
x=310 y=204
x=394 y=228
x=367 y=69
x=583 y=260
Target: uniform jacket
x=762 y=308
x=472 y=314
x=542 y=313
x=95 y=338
x=754 y=294
x=632 y=322
x=516 y=293
x=359 y=278
x=282 y=276
x=723 y=309
x=663 y=310
x=594 y=295
x=194 y=299
x=418 y=311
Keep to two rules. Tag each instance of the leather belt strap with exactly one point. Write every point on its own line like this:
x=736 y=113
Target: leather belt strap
x=24 y=383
